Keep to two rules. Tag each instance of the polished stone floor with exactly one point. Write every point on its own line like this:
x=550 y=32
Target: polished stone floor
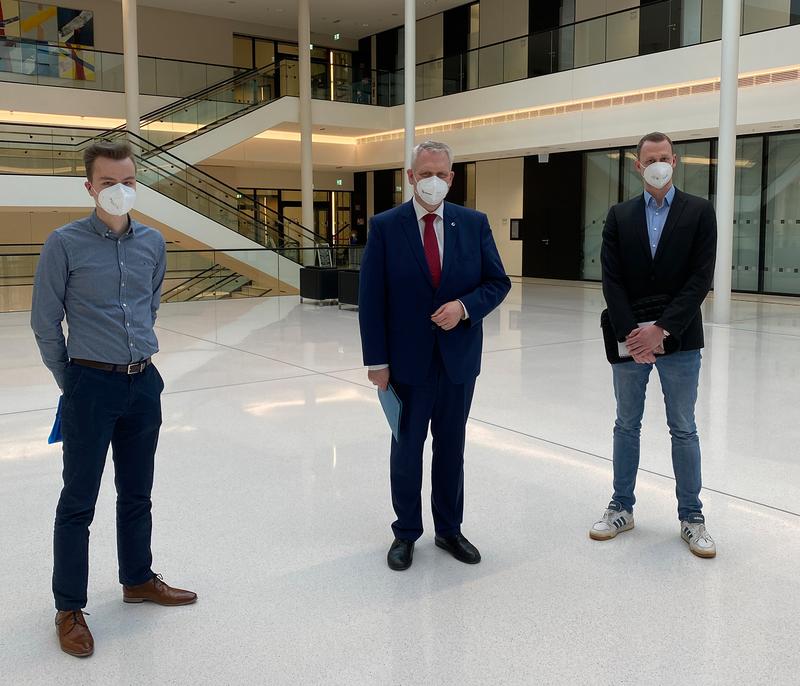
x=272 y=502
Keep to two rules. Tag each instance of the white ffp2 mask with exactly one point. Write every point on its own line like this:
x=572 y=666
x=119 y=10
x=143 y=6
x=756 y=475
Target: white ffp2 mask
x=432 y=190
x=117 y=200
x=658 y=174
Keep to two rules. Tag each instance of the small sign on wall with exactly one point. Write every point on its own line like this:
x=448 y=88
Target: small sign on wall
x=516 y=229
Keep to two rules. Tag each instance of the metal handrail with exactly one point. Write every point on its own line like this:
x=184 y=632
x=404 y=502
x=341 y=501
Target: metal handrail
x=182 y=164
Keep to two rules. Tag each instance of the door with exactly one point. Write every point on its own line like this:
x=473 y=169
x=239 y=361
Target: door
x=551 y=223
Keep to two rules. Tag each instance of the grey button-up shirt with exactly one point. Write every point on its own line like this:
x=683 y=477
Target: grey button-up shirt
x=108 y=286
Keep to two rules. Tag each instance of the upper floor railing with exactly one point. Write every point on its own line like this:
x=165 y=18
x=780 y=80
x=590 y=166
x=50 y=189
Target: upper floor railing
x=639 y=30
x=28 y=61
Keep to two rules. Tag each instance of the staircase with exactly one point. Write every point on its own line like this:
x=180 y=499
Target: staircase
x=170 y=190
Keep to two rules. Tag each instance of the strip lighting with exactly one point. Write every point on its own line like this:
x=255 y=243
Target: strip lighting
x=784 y=75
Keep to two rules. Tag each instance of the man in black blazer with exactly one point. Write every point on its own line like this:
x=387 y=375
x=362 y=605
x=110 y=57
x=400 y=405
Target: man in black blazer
x=661 y=243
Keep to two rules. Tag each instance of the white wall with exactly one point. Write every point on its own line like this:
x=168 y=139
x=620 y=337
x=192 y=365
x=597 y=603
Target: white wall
x=498 y=193
x=21 y=97
x=199 y=38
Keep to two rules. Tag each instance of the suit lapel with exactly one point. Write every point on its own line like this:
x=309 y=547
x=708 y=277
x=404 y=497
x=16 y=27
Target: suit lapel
x=411 y=229
x=678 y=203
x=450 y=229
x=641 y=227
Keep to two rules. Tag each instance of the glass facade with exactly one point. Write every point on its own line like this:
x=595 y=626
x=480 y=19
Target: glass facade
x=766 y=227
x=782 y=215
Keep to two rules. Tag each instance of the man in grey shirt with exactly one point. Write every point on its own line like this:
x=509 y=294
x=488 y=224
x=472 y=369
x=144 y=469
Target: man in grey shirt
x=104 y=273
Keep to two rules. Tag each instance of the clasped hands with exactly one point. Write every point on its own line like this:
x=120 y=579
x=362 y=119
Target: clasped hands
x=643 y=343
x=446 y=318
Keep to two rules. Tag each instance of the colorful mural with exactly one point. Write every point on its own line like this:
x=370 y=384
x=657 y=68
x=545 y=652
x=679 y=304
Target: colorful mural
x=39 y=39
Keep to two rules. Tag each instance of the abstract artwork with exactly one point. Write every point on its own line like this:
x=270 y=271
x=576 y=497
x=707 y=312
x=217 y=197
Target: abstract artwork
x=39 y=22
x=9 y=18
x=38 y=39
x=75 y=27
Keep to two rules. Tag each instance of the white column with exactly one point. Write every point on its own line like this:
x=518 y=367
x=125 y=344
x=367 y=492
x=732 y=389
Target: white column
x=410 y=77
x=130 y=64
x=726 y=158
x=306 y=157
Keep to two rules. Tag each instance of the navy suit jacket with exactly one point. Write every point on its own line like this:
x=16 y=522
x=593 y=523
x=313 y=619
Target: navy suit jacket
x=397 y=297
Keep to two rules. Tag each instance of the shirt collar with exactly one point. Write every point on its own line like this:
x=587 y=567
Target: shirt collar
x=421 y=211
x=102 y=230
x=648 y=198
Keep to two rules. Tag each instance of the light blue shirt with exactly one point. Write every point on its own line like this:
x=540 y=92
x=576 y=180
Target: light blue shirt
x=657 y=217
x=108 y=286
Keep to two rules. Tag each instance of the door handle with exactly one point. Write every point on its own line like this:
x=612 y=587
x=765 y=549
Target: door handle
x=545 y=241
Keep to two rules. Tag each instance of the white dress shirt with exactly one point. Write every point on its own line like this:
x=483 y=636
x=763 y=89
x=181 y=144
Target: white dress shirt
x=438 y=227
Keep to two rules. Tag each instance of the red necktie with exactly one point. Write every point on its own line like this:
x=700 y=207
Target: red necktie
x=432 y=250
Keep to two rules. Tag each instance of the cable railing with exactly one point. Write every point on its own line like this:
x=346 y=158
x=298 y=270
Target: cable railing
x=38 y=150
x=23 y=60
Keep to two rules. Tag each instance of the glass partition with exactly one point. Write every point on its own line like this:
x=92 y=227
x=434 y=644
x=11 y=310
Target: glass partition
x=747 y=214
x=601 y=191
x=782 y=249
x=27 y=61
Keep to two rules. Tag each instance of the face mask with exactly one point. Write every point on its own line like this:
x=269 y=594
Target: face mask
x=658 y=174
x=117 y=200
x=432 y=190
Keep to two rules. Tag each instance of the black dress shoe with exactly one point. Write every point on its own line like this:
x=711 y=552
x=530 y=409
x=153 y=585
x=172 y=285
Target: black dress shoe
x=460 y=548
x=401 y=554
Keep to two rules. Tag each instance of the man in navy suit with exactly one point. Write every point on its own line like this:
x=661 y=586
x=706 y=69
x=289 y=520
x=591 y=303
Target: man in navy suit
x=430 y=274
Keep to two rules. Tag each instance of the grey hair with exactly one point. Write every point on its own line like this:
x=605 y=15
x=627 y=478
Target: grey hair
x=431 y=146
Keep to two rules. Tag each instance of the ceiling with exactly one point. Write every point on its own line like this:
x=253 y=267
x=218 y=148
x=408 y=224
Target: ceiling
x=350 y=18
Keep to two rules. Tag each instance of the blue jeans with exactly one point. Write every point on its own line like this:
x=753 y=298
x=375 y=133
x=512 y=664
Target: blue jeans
x=679 y=374
x=100 y=409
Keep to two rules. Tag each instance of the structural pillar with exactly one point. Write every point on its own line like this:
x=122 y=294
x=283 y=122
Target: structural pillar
x=410 y=82
x=130 y=65
x=306 y=157
x=726 y=158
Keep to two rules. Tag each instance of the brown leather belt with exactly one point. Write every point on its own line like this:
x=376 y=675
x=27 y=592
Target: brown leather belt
x=133 y=368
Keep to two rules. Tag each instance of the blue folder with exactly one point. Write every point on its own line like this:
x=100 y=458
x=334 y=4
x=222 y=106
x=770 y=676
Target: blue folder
x=392 y=408
x=55 y=434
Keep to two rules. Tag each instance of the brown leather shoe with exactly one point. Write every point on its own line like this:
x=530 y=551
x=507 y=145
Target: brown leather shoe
x=156 y=591
x=73 y=634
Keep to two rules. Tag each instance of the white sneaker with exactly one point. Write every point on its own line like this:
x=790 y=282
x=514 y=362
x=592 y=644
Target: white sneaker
x=693 y=531
x=614 y=521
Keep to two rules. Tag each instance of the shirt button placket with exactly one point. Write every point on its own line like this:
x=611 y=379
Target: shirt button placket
x=124 y=294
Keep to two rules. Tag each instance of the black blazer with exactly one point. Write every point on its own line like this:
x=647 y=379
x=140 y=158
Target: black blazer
x=683 y=267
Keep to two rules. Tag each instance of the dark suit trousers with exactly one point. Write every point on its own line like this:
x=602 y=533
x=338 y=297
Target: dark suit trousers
x=100 y=409
x=445 y=407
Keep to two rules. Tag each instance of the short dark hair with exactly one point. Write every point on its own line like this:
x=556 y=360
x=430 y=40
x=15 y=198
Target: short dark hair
x=113 y=150
x=654 y=137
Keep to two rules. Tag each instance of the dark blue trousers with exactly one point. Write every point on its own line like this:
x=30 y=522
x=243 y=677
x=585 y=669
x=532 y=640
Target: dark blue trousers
x=100 y=409
x=444 y=406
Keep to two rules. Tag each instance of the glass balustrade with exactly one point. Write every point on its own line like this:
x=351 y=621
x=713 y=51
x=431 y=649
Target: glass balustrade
x=27 y=61
x=36 y=150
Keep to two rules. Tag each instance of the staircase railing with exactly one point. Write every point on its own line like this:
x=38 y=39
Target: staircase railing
x=41 y=150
